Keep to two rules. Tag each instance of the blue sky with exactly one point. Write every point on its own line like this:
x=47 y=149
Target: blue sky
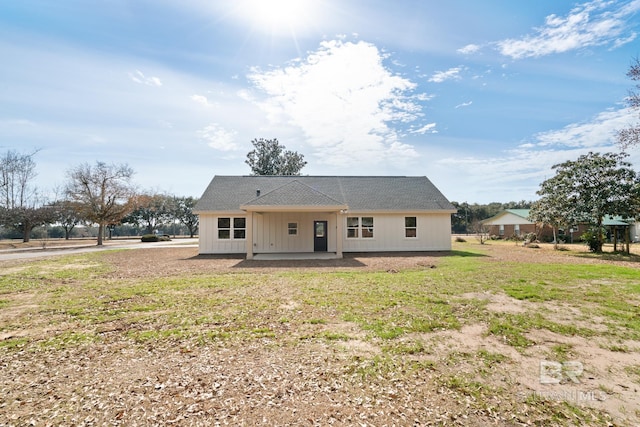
x=481 y=97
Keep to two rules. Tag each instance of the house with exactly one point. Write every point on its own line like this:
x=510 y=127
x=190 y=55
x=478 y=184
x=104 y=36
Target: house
x=515 y=222
x=330 y=214
x=511 y=222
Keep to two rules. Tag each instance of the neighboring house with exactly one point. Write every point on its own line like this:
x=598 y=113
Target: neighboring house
x=333 y=214
x=515 y=222
x=511 y=222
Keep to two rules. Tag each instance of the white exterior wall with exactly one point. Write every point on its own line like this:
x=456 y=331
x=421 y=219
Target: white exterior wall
x=508 y=219
x=208 y=236
x=433 y=233
x=270 y=233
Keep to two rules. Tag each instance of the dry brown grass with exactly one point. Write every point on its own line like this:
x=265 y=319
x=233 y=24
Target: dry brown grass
x=166 y=337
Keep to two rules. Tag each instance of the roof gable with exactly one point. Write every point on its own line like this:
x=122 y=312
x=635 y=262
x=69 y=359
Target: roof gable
x=522 y=213
x=510 y=216
x=294 y=193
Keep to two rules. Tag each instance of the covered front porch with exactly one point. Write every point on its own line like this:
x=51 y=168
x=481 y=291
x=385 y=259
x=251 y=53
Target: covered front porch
x=294 y=219
x=294 y=234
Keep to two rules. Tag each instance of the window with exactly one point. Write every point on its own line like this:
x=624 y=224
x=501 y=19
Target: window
x=224 y=228
x=353 y=224
x=367 y=226
x=359 y=227
x=516 y=229
x=226 y=231
x=293 y=228
x=501 y=232
x=239 y=228
x=410 y=226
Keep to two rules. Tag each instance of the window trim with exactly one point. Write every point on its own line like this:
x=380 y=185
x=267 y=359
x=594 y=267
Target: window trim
x=361 y=230
x=354 y=228
x=232 y=230
x=294 y=228
x=368 y=228
x=414 y=227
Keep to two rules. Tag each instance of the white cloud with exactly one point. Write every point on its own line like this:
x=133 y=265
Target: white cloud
x=218 y=138
x=450 y=74
x=469 y=49
x=344 y=100
x=201 y=99
x=139 y=77
x=599 y=131
x=428 y=128
x=464 y=104
x=590 y=24
x=517 y=173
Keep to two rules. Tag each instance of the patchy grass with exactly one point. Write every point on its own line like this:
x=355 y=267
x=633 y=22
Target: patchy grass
x=386 y=335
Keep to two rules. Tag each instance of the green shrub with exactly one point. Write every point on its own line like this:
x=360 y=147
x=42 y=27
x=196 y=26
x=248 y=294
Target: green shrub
x=150 y=238
x=593 y=238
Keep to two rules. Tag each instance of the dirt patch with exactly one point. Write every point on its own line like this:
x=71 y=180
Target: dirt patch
x=329 y=373
x=499 y=302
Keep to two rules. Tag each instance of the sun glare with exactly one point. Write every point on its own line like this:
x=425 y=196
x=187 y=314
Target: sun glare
x=280 y=16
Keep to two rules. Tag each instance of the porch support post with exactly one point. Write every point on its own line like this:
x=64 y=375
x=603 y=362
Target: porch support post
x=339 y=233
x=249 y=236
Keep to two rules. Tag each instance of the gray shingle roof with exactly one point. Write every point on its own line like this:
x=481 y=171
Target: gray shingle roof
x=294 y=193
x=366 y=193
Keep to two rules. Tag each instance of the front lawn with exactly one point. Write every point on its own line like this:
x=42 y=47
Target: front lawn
x=475 y=337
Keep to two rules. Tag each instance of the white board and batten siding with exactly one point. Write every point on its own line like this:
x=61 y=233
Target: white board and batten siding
x=271 y=233
x=432 y=233
x=208 y=235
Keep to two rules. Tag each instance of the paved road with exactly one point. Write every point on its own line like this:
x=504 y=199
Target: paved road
x=12 y=254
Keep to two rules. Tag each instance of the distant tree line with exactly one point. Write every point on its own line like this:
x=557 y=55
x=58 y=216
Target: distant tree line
x=100 y=200
x=469 y=216
x=97 y=199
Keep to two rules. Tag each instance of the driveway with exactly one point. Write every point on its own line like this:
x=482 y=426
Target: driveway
x=27 y=253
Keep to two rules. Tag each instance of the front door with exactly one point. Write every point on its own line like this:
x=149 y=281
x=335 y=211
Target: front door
x=320 y=236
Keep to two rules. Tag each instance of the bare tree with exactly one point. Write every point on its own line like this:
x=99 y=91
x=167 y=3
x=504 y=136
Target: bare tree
x=20 y=206
x=630 y=136
x=481 y=231
x=16 y=173
x=103 y=192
